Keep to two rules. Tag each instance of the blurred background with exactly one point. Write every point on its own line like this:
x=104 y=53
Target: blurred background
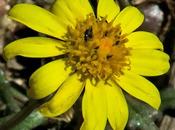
x=14 y=74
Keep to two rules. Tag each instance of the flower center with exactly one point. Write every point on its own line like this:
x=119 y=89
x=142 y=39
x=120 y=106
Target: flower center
x=96 y=49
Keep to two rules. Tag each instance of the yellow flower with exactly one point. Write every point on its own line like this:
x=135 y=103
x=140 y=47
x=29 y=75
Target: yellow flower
x=95 y=51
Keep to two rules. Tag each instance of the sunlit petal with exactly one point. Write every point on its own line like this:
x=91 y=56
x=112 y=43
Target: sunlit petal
x=65 y=97
x=117 y=107
x=107 y=8
x=130 y=18
x=149 y=62
x=140 y=88
x=36 y=47
x=47 y=79
x=38 y=19
x=94 y=107
x=70 y=11
x=143 y=40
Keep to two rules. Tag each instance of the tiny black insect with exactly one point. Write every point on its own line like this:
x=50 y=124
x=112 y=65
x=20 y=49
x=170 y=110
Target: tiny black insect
x=109 y=56
x=96 y=47
x=117 y=42
x=88 y=34
x=106 y=33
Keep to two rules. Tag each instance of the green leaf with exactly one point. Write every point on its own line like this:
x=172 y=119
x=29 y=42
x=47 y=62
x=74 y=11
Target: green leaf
x=141 y=115
x=168 y=98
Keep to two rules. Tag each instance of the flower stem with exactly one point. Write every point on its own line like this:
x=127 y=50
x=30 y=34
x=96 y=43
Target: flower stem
x=20 y=116
x=25 y=112
x=34 y=120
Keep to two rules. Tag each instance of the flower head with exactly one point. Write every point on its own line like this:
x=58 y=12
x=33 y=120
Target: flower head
x=99 y=53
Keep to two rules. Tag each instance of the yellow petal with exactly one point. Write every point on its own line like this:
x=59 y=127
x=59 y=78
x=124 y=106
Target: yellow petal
x=38 y=19
x=117 y=107
x=47 y=79
x=94 y=107
x=37 y=47
x=65 y=97
x=71 y=10
x=130 y=18
x=148 y=62
x=107 y=8
x=143 y=40
x=140 y=88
